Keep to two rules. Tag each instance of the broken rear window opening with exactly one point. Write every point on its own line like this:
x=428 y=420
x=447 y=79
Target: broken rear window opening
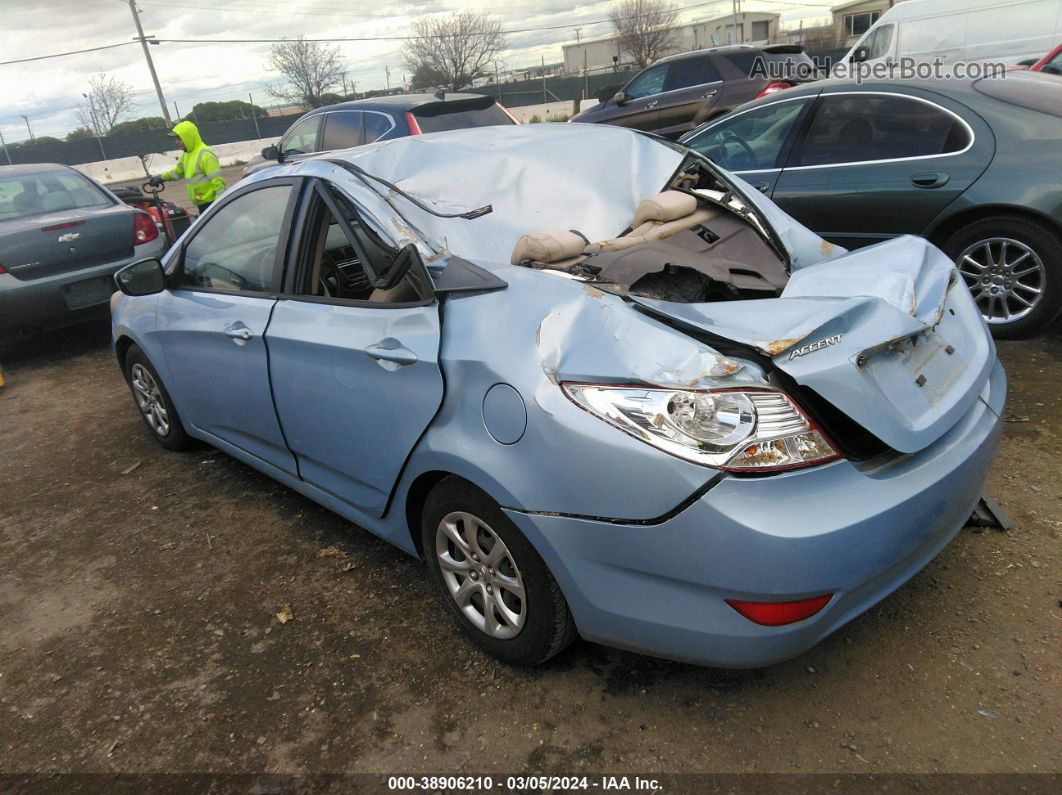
x=695 y=242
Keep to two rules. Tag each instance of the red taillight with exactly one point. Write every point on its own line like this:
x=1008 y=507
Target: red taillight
x=144 y=229
x=411 y=120
x=776 y=614
x=2 y=271
x=773 y=88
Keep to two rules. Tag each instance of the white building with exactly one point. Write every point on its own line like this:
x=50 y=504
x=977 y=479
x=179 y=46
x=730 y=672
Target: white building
x=754 y=27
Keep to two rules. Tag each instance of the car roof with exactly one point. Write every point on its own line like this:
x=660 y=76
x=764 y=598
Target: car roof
x=24 y=169
x=792 y=49
x=394 y=102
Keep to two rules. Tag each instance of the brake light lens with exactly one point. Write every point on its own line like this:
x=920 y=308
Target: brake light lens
x=738 y=430
x=411 y=120
x=56 y=227
x=144 y=228
x=777 y=614
x=773 y=88
x=2 y=269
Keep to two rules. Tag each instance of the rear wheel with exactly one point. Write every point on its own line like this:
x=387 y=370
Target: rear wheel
x=153 y=401
x=490 y=578
x=1013 y=267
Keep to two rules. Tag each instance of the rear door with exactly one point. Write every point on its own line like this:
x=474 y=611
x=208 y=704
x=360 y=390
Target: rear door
x=870 y=165
x=212 y=323
x=355 y=371
x=691 y=88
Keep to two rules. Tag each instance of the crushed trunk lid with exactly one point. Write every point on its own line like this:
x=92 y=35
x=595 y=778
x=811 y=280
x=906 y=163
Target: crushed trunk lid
x=888 y=335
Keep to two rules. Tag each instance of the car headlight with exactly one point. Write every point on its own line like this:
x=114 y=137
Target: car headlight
x=742 y=430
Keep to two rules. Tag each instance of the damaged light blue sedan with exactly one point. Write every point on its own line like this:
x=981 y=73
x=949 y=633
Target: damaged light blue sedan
x=604 y=388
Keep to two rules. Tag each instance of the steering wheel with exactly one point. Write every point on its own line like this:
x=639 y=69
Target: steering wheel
x=330 y=280
x=730 y=137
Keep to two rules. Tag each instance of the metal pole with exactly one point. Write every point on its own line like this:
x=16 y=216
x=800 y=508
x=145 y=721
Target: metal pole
x=586 y=77
x=544 y=100
x=3 y=143
x=151 y=66
x=176 y=110
x=26 y=118
x=95 y=124
x=733 y=20
x=257 y=132
x=497 y=83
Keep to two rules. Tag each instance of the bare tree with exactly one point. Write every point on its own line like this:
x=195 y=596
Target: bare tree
x=311 y=67
x=455 y=49
x=646 y=28
x=107 y=102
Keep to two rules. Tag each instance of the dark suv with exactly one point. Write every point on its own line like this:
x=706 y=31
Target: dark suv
x=679 y=92
x=363 y=121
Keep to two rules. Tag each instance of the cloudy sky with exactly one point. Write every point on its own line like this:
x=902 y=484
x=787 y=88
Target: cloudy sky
x=48 y=91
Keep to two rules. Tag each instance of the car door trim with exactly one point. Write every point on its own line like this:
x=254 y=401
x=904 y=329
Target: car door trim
x=820 y=96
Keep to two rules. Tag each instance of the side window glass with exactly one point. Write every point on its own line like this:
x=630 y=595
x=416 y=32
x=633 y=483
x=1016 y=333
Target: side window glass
x=880 y=41
x=376 y=124
x=236 y=249
x=749 y=140
x=302 y=138
x=684 y=73
x=859 y=127
x=649 y=82
x=342 y=130
x=334 y=268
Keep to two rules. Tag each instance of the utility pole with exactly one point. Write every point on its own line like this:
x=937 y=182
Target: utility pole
x=577 y=35
x=176 y=110
x=26 y=119
x=387 y=76
x=151 y=66
x=497 y=83
x=3 y=143
x=544 y=98
x=733 y=26
x=257 y=132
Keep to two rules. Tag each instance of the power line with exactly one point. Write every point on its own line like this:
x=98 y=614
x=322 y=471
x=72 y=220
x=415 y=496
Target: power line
x=70 y=52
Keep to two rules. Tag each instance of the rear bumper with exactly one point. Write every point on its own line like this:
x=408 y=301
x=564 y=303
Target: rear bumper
x=65 y=297
x=858 y=534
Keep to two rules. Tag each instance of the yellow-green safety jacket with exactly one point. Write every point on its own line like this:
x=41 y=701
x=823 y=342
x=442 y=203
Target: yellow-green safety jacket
x=197 y=164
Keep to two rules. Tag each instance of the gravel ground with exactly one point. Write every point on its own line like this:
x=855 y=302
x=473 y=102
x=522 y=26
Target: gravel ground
x=139 y=593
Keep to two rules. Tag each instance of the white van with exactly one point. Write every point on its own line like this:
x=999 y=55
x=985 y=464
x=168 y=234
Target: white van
x=1007 y=31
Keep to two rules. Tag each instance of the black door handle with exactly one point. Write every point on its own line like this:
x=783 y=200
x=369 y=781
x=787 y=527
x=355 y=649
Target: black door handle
x=931 y=179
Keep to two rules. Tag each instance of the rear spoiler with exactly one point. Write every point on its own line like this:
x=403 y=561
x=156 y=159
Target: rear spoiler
x=444 y=106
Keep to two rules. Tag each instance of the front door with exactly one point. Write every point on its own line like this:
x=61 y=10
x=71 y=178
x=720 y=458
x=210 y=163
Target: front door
x=355 y=370
x=691 y=89
x=873 y=165
x=640 y=109
x=213 y=322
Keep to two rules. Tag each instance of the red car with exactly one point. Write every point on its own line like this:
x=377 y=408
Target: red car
x=1050 y=63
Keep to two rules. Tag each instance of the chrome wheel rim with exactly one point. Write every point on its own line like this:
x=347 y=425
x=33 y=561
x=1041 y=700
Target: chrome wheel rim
x=481 y=575
x=149 y=400
x=1005 y=276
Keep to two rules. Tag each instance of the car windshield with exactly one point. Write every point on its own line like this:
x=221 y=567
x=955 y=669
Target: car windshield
x=50 y=191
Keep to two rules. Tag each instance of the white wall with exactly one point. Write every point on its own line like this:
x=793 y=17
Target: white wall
x=523 y=113
x=123 y=169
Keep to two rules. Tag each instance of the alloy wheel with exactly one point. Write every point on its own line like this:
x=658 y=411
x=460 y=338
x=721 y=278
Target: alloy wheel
x=1005 y=276
x=149 y=399
x=481 y=575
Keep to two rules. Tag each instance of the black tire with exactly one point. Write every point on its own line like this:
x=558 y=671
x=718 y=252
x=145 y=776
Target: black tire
x=548 y=627
x=1043 y=242
x=174 y=437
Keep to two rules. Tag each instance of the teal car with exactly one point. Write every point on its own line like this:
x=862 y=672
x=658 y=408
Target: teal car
x=971 y=165
x=62 y=237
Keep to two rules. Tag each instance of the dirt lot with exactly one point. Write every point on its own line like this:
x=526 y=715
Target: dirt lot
x=138 y=632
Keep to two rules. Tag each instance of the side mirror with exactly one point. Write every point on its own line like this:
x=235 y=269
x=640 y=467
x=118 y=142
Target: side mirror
x=620 y=98
x=271 y=153
x=399 y=267
x=143 y=277
x=860 y=55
